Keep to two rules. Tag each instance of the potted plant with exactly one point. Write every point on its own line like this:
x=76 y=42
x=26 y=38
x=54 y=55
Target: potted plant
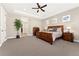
x=18 y=26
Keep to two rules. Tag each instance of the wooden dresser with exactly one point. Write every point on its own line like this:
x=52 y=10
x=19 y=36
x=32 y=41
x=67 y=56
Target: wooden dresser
x=68 y=36
x=35 y=30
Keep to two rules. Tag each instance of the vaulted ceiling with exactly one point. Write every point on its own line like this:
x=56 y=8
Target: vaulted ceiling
x=25 y=9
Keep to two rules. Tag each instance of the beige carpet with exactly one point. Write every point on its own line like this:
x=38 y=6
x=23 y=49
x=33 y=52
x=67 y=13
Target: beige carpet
x=31 y=46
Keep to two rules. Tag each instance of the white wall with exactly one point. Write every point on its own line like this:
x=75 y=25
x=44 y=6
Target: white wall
x=11 y=31
x=34 y=23
x=25 y=22
x=29 y=24
x=2 y=25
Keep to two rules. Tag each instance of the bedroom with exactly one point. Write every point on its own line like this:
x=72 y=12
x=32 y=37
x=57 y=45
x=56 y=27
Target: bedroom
x=28 y=44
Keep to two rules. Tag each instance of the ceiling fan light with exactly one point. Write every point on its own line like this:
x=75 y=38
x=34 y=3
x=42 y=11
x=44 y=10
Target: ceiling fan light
x=24 y=9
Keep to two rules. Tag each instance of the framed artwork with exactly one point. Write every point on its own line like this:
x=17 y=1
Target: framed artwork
x=66 y=18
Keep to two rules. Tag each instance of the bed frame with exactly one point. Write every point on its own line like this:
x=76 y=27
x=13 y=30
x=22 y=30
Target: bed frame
x=48 y=36
x=58 y=26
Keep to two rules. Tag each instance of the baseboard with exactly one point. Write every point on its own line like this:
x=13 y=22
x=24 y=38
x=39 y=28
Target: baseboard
x=29 y=34
x=10 y=37
x=76 y=40
x=21 y=36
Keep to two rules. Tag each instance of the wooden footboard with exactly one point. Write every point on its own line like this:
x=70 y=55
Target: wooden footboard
x=48 y=36
x=45 y=36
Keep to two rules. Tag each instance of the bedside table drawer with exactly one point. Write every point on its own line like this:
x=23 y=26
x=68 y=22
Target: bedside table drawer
x=68 y=37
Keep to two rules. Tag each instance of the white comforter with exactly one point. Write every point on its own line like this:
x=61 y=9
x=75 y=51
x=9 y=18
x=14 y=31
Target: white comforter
x=56 y=34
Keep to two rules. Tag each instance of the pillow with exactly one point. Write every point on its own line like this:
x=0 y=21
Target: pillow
x=54 y=29
x=50 y=29
x=59 y=30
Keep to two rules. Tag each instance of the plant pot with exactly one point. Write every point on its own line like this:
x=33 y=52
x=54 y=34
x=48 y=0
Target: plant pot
x=17 y=36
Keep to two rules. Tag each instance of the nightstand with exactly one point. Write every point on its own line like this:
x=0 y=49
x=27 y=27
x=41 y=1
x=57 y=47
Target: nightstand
x=68 y=36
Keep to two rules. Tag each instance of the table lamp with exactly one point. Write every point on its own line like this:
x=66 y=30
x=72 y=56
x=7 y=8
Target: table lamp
x=68 y=29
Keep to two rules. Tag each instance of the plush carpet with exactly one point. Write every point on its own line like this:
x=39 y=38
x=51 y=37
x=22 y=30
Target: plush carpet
x=32 y=46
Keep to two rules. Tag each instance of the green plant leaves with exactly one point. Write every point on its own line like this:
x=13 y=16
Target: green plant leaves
x=18 y=24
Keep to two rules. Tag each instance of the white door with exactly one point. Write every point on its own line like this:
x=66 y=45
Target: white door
x=2 y=25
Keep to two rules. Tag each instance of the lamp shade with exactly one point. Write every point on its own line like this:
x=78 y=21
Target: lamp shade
x=68 y=29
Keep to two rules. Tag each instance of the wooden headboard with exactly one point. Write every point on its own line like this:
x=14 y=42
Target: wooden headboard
x=57 y=26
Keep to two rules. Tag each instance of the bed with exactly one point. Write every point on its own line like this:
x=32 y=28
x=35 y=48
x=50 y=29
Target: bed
x=50 y=35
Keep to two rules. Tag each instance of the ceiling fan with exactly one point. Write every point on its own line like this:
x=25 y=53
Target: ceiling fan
x=40 y=7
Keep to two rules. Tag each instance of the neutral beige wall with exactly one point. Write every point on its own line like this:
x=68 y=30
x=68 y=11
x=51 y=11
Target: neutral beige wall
x=74 y=13
x=11 y=31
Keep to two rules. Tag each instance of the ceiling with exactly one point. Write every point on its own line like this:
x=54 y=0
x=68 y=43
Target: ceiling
x=25 y=9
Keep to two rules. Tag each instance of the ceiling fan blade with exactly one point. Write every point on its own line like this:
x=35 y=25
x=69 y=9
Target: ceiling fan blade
x=35 y=8
x=42 y=10
x=37 y=11
x=38 y=5
x=43 y=6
